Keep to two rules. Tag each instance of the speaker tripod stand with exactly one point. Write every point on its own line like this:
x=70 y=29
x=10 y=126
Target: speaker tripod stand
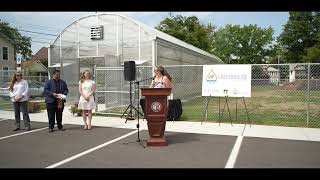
x=138 y=125
x=130 y=106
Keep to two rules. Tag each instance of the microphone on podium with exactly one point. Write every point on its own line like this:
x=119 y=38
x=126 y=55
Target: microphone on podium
x=152 y=78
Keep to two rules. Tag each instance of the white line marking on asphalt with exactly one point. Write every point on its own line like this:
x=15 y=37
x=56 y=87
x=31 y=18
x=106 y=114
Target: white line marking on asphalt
x=23 y=133
x=4 y=119
x=234 y=152
x=90 y=150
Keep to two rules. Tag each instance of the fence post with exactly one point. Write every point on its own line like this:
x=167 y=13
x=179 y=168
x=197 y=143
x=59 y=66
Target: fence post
x=308 y=110
x=95 y=80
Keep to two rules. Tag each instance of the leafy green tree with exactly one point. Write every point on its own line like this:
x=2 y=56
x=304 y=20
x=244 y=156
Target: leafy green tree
x=299 y=35
x=312 y=55
x=243 y=45
x=22 y=44
x=188 y=29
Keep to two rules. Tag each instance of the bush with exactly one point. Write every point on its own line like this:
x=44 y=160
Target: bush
x=74 y=109
x=34 y=106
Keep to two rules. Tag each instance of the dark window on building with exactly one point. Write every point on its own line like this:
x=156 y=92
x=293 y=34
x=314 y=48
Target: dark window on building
x=5 y=53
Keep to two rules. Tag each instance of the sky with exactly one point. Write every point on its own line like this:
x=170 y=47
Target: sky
x=52 y=23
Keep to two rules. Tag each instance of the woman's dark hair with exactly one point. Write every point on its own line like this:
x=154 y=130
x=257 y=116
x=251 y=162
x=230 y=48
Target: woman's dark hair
x=164 y=72
x=55 y=71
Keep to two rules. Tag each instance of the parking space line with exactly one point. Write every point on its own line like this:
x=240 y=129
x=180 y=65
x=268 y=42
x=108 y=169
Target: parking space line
x=5 y=137
x=234 y=153
x=4 y=119
x=90 y=150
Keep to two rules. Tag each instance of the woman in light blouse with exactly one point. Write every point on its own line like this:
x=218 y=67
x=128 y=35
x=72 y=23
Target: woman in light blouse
x=162 y=78
x=18 y=91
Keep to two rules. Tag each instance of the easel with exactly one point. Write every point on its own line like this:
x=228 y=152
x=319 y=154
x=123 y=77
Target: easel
x=245 y=108
x=220 y=115
x=226 y=103
x=206 y=110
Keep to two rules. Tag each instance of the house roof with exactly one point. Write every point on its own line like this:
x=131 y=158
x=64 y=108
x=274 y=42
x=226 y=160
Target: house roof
x=42 y=54
x=6 y=37
x=272 y=69
x=33 y=65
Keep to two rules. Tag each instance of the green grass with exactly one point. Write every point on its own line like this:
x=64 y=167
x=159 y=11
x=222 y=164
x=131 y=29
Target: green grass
x=266 y=107
x=8 y=106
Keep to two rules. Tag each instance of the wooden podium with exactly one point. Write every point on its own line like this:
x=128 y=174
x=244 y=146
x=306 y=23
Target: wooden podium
x=156 y=109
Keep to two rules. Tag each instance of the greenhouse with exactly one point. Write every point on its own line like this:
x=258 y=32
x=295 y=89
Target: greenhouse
x=103 y=42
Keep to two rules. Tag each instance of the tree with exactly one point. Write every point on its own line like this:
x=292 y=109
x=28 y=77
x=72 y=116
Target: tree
x=299 y=34
x=188 y=29
x=243 y=45
x=22 y=44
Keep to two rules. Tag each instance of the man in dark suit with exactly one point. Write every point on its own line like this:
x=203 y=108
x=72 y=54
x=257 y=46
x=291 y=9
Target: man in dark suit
x=55 y=91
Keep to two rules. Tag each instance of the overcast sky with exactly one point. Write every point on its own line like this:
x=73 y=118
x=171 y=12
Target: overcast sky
x=52 y=23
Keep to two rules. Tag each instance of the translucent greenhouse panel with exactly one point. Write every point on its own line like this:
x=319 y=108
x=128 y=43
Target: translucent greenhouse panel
x=146 y=48
x=130 y=40
x=171 y=54
x=69 y=35
x=54 y=55
x=87 y=49
x=108 y=45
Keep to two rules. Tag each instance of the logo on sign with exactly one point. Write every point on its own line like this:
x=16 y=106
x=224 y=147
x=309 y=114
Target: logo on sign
x=156 y=106
x=211 y=77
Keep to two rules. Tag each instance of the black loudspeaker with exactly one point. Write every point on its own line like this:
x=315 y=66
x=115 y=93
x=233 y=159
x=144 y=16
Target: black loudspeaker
x=129 y=70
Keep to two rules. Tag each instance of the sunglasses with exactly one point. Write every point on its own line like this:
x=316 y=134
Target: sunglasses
x=19 y=75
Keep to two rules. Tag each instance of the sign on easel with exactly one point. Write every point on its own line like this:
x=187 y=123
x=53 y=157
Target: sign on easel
x=226 y=80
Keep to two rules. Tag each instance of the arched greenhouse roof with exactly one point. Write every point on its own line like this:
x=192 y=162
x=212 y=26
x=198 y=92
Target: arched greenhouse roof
x=156 y=34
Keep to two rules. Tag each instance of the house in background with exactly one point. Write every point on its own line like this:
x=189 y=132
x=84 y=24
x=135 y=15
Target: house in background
x=7 y=57
x=274 y=75
x=35 y=70
x=297 y=72
x=42 y=56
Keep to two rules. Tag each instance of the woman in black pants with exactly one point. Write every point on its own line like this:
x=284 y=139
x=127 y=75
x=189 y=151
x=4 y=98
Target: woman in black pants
x=19 y=90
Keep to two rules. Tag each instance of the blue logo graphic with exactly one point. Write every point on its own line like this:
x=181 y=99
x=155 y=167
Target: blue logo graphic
x=211 y=77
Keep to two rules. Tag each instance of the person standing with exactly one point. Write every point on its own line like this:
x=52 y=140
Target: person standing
x=162 y=79
x=18 y=91
x=55 y=91
x=86 y=101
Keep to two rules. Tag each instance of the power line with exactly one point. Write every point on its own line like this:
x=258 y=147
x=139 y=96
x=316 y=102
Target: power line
x=42 y=38
x=38 y=32
x=49 y=28
x=41 y=42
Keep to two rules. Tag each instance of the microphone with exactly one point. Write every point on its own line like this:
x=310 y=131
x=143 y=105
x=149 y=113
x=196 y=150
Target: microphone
x=152 y=78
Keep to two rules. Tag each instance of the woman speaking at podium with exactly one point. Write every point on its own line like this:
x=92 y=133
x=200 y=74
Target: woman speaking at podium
x=162 y=78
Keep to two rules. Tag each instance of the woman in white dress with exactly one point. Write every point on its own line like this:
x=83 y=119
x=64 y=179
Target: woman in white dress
x=86 y=101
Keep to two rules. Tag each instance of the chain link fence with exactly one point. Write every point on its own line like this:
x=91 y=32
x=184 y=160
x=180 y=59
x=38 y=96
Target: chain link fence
x=282 y=94
x=36 y=86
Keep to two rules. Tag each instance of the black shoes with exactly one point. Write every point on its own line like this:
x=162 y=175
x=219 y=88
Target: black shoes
x=60 y=129
x=16 y=129
x=28 y=128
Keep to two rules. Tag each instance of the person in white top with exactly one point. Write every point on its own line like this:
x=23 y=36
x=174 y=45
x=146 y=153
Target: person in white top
x=86 y=101
x=162 y=79
x=18 y=91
